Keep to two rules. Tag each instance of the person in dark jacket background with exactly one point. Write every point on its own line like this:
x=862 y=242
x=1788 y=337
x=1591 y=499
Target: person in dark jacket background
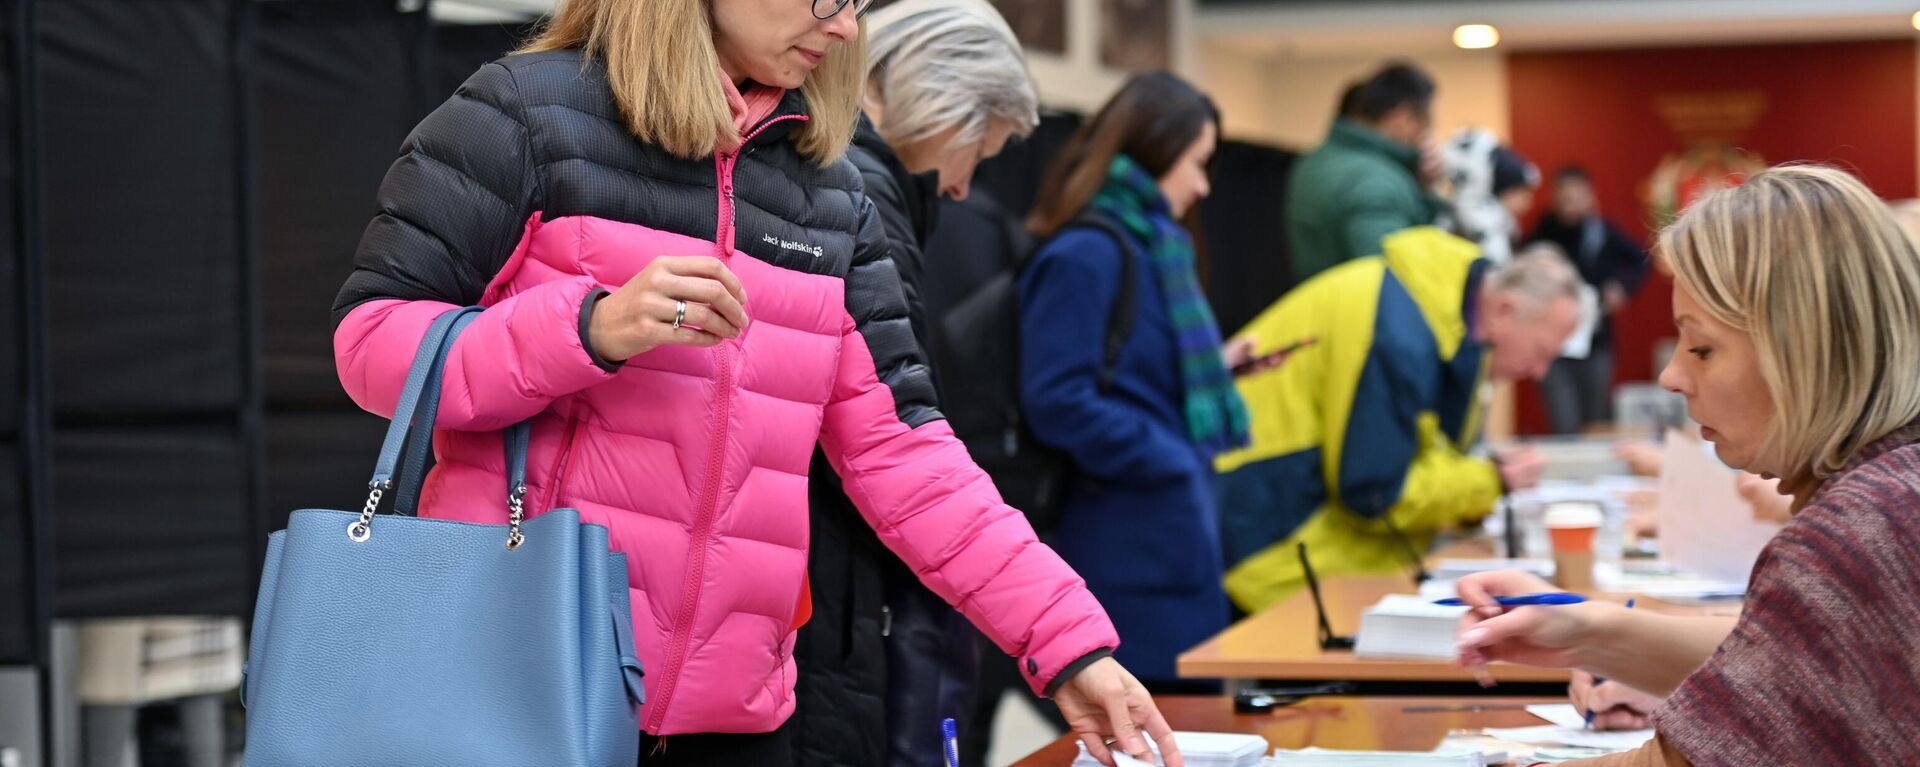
x=1138 y=518
x=1370 y=178
x=884 y=660
x=1578 y=391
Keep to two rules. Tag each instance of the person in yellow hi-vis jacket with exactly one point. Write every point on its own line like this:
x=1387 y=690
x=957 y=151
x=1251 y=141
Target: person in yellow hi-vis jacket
x=1367 y=399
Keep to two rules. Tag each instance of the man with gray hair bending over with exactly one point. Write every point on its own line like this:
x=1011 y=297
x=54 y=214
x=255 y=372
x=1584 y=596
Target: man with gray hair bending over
x=1368 y=402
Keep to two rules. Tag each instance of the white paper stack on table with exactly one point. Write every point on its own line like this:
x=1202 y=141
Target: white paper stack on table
x=1201 y=749
x=1408 y=626
x=1321 y=757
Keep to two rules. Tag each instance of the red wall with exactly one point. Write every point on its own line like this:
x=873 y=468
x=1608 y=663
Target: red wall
x=1847 y=104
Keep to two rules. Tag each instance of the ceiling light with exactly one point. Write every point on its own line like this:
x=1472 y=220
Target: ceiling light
x=1477 y=36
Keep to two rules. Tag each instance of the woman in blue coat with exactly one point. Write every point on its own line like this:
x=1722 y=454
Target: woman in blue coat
x=1139 y=518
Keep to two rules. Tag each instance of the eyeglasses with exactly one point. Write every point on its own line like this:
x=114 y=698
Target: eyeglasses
x=825 y=9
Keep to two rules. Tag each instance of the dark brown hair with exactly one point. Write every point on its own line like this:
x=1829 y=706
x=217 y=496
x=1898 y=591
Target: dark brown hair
x=1154 y=119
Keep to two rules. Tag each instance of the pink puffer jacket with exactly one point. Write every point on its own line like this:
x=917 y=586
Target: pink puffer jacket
x=695 y=460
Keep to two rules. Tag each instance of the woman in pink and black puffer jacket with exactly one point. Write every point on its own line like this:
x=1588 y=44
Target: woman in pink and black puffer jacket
x=685 y=291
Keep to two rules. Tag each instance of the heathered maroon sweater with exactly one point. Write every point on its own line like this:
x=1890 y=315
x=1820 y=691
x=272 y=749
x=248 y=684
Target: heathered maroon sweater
x=1823 y=667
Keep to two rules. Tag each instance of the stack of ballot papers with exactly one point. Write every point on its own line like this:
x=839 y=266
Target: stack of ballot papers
x=1201 y=749
x=1407 y=626
x=1321 y=757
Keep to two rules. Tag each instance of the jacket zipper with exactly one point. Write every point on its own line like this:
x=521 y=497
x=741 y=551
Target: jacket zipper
x=709 y=498
x=560 y=459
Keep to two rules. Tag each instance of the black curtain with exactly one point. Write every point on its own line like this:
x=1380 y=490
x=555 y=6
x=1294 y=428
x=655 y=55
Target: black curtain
x=1248 y=261
x=22 y=592
x=335 y=88
x=149 y=299
x=459 y=49
x=26 y=535
x=209 y=167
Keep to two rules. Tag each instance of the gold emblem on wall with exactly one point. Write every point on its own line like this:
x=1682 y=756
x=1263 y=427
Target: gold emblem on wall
x=1709 y=125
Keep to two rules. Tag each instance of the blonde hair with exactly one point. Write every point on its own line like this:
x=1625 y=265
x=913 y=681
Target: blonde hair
x=935 y=65
x=663 y=70
x=1812 y=266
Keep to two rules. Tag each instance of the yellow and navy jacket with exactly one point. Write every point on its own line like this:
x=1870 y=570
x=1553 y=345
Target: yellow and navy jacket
x=1365 y=428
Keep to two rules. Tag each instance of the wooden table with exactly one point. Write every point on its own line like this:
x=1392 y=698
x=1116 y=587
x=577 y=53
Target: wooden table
x=1368 y=724
x=1282 y=642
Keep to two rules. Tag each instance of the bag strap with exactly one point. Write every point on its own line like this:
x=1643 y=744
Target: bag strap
x=425 y=364
x=409 y=438
x=1120 y=319
x=419 y=445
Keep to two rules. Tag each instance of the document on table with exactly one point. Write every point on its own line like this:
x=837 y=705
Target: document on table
x=1562 y=714
x=1621 y=740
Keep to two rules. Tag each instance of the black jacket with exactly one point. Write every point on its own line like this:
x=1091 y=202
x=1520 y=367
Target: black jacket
x=1601 y=252
x=539 y=134
x=883 y=660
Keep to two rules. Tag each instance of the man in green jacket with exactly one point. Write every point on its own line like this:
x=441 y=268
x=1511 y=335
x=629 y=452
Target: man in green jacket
x=1365 y=182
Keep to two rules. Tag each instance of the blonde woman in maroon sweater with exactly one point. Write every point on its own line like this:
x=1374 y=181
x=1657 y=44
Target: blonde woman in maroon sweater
x=1797 y=298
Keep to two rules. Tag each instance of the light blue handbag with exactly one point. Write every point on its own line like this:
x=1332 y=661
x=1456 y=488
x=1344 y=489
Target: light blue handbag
x=397 y=640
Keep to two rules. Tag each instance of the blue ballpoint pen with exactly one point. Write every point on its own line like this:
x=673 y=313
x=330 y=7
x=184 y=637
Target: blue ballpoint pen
x=1551 y=598
x=951 y=735
x=1600 y=680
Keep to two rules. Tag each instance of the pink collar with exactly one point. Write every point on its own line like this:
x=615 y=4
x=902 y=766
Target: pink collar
x=750 y=108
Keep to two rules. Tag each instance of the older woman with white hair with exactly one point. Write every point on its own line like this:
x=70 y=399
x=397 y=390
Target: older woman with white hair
x=883 y=659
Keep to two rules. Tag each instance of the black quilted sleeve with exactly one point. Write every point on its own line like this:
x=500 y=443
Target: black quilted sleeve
x=878 y=304
x=452 y=208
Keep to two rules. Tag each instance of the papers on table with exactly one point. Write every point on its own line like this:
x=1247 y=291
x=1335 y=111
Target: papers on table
x=1578 y=737
x=1663 y=581
x=1201 y=749
x=1218 y=749
x=1455 y=569
x=1321 y=757
x=1562 y=714
x=1408 y=626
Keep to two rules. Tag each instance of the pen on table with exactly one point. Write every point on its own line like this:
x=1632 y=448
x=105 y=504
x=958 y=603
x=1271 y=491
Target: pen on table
x=950 y=737
x=1600 y=680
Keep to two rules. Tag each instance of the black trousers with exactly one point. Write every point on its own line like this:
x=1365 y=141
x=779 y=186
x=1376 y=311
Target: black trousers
x=770 y=749
x=1579 y=393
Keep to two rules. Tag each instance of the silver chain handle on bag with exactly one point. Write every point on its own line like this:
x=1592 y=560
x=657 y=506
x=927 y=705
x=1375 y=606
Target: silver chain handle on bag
x=515 y=512
x=361 y=530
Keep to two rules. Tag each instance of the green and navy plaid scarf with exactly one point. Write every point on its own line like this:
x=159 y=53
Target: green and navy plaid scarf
x=1216 y=418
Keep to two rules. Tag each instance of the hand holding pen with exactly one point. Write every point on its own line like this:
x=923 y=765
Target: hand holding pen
x=1614 y=706
x=1533 y=628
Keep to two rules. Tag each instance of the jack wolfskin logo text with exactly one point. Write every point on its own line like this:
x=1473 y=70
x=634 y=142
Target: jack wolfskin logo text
x=812 y=250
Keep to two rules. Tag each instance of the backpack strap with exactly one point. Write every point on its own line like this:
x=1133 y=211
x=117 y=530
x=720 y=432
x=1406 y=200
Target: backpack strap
x=1120 y=319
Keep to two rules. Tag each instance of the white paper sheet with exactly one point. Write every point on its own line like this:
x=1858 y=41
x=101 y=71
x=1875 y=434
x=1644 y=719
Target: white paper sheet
x=1706 y=529
x=1619 y=740
x=1563 y=714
